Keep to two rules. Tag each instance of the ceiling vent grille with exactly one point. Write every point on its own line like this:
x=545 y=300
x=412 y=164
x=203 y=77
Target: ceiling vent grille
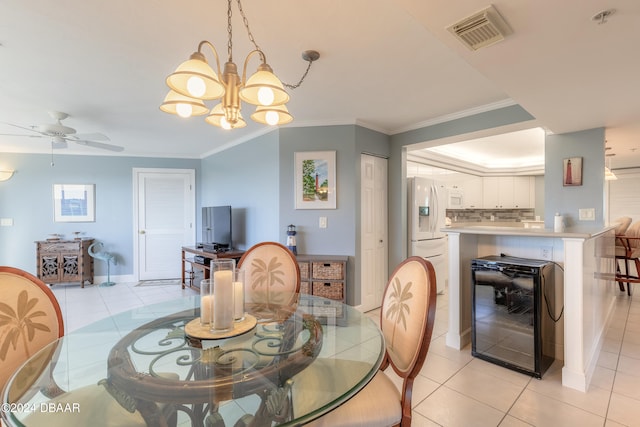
x=481 y=29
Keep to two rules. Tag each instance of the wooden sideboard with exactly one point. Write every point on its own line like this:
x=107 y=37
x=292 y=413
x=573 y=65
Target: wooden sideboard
x=188 y=261
x=64 y=261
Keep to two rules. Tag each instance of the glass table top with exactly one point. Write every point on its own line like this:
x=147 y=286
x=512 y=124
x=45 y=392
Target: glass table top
x=150 y=369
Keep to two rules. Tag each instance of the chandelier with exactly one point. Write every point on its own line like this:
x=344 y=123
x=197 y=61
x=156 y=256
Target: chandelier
x=194 y=82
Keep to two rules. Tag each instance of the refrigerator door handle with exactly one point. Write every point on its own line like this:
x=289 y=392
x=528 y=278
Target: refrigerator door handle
x=434 y=200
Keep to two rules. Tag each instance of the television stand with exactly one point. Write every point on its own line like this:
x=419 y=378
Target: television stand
x=189 y=254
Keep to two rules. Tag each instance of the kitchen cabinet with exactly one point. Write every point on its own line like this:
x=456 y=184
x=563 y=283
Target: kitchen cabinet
x=523 y=189
x=507 y=192
x=490 y=199
x=472 y=190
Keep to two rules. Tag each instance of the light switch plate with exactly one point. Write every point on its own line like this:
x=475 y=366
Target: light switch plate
x=587 y=214
x=6 y=222
x=323 y=222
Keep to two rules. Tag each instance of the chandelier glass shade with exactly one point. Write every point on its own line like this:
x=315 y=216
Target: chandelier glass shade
x=195 y=81
x=217 y=118
x=183 y=106
x=272 y=115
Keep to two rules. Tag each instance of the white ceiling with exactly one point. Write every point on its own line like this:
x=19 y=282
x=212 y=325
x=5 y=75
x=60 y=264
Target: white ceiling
x=386 y=64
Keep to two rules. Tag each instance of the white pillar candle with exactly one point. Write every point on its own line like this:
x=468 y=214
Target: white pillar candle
x=223 y=300
x=206 y=304
x=238 y=300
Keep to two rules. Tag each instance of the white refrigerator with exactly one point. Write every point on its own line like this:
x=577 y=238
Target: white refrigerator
x=427 y=212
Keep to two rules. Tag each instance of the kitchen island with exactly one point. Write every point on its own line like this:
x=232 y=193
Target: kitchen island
x=585 y=289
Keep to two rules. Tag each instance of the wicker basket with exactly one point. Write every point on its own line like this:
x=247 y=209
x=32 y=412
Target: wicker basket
x=304 y=270
x=328 y=270
x=305 y=288
x=331 y=290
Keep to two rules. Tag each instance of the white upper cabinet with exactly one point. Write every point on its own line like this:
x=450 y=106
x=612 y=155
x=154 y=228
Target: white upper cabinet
x=507 y=192
x=523 y=192
x=473 y=193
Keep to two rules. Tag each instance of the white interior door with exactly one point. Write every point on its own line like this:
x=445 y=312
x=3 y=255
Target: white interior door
x=165 y=220
x=373 y=233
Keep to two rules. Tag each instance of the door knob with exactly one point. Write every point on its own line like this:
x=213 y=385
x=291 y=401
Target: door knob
x=142 y=232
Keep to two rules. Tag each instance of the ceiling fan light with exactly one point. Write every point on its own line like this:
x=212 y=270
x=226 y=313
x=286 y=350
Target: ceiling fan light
x=5 y=175
x=183 y=106
x=272 y=115
x=196 y=79
x=217 y=118
x=264 y=88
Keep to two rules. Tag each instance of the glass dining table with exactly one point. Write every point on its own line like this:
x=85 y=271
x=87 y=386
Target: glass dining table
x=152 y=366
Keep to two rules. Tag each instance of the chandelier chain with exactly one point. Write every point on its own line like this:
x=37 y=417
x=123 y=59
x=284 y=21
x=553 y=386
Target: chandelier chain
x=229 y=32
x=297 y=85
x=246 y=25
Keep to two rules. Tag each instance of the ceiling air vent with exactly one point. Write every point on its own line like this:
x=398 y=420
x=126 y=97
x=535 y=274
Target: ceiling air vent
x=481 y=29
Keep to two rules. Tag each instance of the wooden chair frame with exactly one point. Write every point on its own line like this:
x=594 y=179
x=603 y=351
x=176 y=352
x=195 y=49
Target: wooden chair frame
x=409 y=376
x=630 y=244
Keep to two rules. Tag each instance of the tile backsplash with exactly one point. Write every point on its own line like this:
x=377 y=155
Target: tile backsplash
x=487 y=215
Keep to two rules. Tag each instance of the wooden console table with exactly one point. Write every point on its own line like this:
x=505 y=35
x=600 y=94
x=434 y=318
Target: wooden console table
x=63 y=261
x=188 y=252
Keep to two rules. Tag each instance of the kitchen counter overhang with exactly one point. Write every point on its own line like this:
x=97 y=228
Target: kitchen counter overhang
x=579 y=232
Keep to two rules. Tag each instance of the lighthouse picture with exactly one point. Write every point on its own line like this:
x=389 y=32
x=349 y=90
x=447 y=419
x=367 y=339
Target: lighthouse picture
x=572 y=171
x=316 y=180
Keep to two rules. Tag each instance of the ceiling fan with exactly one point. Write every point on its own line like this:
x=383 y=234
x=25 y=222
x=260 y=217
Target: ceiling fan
x=61 y=134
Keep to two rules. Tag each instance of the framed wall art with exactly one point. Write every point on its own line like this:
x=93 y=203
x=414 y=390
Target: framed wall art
x=572 y=171
x=74 y=202
x=315 y=180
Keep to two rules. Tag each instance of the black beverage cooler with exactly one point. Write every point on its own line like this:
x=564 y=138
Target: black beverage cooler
x=513 y=301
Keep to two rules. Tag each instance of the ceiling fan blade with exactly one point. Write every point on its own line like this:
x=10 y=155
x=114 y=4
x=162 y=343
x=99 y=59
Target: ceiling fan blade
x=90 y=136
x=29 y=128
x=21 y=134
x=95 y=144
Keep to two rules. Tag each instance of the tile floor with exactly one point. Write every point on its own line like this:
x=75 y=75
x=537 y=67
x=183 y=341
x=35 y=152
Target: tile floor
x=454 y=388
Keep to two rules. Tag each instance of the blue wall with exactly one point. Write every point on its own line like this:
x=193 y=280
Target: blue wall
x=246 y=177
x=27 y=198
x=588 y=144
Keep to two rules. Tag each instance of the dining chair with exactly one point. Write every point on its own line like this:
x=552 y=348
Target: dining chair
x=406 y=319
x=30 y=319
x=272 y=274
x=628 y=249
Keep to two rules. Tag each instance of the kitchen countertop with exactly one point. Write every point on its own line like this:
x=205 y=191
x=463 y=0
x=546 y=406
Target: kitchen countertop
x=580 y=231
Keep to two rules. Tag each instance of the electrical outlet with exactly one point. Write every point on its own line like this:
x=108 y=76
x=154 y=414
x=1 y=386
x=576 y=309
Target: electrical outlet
x=546 y=252
x=587 y=214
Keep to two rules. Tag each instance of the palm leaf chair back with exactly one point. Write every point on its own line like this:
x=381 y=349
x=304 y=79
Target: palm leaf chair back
x=30 y=318
x=407 y=316
x=272 y=274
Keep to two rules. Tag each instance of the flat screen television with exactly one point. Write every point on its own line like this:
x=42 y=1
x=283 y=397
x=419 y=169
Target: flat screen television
x=216 y=228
